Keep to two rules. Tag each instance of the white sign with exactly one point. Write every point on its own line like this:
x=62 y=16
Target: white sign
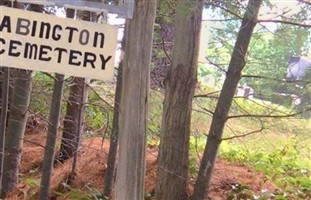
x=42 y=42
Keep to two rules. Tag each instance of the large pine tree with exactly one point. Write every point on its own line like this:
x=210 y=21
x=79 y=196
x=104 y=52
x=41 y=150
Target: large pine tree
x=176 y=119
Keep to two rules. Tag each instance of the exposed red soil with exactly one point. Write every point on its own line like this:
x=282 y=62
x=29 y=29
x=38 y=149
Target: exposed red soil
x=91 y=169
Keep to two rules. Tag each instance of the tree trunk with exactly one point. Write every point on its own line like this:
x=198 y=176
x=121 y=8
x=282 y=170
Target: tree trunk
x=236 y=65
x=6 y=93
x=134 y=102
x=74 y=106
x=176 y=119
x=4 y=110
x=114 y=139
x=16 y=128
x=5 y=3
x=17 y=121
x=47 y=166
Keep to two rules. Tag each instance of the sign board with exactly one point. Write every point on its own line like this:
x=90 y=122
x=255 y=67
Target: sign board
x=47 y=43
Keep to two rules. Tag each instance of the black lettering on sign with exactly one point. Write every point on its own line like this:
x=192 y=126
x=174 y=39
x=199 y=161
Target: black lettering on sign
x=101 y=37
x=104 y=61
x=45 y=27
x=56 y=34
x=89 y=58
x=44 y=50
x=60 y=52
x=73 y=55
x=71 y=30
x=6 y=23
x=22 y=27
x=34 y=28
x=3 y=42
x=13 y=46
x=31 y=51
x=84 y=34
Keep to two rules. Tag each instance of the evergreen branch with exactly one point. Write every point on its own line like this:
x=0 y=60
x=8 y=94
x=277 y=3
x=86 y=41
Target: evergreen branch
x=208 y=95
x=98 y=95
x=216 y=65
x=244 y=135
x=274 y=79
x=284 y=22
x=225 y=9
x=269 y=115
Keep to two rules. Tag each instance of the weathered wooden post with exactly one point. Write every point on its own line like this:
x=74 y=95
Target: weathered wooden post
x=134 y=102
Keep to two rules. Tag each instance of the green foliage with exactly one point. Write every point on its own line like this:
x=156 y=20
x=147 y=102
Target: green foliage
x=31 y=190
x=77 y=194
x=204 y=70
x=155 y=114
x=41 y=94
x=96 y=117
x=283 y=166
x=240 y=191
x=99 y=111
x=256 y=107
x=269 y=50
x=95 y=193
x=165 y=10
x=285 y=161
x=303 y=91
x=268 y=57
x=282 y=151
x=197 y=145
x=86 y=193
x=31 y=182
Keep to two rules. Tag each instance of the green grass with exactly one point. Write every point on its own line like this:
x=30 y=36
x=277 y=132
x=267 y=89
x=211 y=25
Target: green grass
x=282 y=150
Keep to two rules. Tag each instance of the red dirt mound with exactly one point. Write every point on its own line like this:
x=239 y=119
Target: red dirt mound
x=91 y=168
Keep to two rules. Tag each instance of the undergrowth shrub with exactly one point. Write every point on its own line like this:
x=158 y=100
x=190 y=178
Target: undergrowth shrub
x=155 y=113
x=99 y=110
x=197 y=145
x=41 y=94
x=284 y=166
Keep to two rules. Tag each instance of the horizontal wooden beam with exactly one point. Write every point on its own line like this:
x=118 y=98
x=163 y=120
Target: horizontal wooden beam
x=125 y=9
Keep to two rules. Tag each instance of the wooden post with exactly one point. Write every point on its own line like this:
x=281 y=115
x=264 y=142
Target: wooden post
x=134 y=102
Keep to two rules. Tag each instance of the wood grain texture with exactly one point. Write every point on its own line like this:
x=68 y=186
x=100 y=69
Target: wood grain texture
x=134 y=102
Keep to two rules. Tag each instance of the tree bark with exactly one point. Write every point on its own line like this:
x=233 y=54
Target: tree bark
x=16 y=129
x=173 y=157
x=16 y=125
x=49 y=152
x=5 y=3
x=4 y=111
x=114 y=139
x=74 y=106
x=81 y=99
x=134 y=103
x=71 y=117
x=236 y=66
